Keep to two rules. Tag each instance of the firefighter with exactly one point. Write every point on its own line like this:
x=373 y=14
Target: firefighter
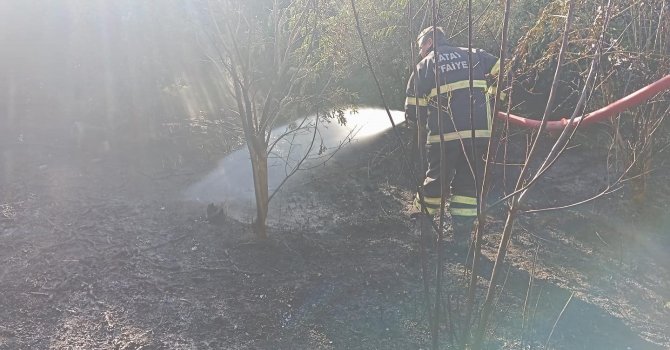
x=451 y=64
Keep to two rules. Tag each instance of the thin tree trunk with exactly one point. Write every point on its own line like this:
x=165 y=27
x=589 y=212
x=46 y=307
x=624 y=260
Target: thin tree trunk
x=259 y=167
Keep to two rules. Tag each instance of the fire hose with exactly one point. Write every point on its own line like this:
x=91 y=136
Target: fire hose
x=636 y=98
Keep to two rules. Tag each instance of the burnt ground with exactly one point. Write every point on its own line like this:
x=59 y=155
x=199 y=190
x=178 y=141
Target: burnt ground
x=99 y=251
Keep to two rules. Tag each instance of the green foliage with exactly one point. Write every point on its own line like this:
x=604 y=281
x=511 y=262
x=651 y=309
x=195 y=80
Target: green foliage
x=382 y=39
x=633 y=53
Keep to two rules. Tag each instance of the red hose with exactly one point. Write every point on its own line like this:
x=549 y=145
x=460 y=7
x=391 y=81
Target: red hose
x=634 y=99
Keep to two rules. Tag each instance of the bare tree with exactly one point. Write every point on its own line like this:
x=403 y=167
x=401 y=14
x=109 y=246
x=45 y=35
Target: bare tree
x=267 y=53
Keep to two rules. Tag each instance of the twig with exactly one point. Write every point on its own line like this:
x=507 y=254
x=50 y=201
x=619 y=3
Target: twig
x=546 y=345
x=529 y=291
x=601 y=238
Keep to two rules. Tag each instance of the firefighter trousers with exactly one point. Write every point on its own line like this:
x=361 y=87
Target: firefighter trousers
x=459 y=181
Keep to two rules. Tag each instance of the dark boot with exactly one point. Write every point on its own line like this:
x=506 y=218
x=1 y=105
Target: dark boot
x=462 y=227
x=423 y=228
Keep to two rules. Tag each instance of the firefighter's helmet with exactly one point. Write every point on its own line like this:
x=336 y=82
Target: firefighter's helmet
x=428 y=33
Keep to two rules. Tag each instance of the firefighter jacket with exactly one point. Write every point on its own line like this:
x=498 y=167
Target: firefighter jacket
x=452 y=66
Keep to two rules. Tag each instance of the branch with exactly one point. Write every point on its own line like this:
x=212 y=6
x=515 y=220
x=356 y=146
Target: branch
x=565 y=137
x=567 y=133
x=605 y=192
x=285 y=134
x=270 y=115
x=298 y=166
x=487 y=307
x=295 y=169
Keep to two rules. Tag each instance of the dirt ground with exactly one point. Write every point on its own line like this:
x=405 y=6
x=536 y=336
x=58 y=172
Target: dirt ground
x=98 y=250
